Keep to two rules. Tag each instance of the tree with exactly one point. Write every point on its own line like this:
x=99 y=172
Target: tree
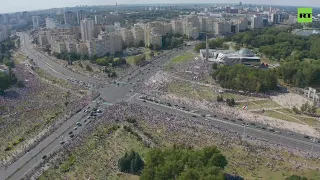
x=131 y=163
x=184 y=163
x=214 y=66
x=4 y=82
x=88 y=68
x=141 y=44
x=295 y=177
x=138 y=60
x=151 y=54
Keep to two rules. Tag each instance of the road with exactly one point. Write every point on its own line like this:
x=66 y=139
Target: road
x=110 y=93
x=121 y=91
x=291 y=139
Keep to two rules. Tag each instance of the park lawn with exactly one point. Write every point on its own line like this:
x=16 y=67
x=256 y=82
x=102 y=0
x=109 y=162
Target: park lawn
x=185 y=57
x=236 y=97
x=249 y=104
x=266 y=103
x=278 y=115
x=53 y=79
x=311 y=121
x=98 y=157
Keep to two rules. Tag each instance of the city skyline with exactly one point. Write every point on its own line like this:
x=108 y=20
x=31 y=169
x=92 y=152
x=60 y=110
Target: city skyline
x=31 y=5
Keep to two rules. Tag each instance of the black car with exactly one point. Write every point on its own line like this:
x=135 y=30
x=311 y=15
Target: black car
x=144 y=101
x=307 y=137
x=225 y=118
x=233 y=120
x=70 y=132
x=194 y=116
x=71 y=135
x=239 y=119
x=44 y=157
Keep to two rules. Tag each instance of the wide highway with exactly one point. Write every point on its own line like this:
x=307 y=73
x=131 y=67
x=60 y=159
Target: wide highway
x=121 y=91
x=110 y=93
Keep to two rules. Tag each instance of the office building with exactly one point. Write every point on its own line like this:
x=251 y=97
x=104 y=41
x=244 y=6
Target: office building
x=87 y=28
x=35 y=22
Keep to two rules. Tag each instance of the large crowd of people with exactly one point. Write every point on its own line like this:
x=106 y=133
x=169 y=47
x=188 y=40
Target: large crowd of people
x=33 y=111
x=191 y=132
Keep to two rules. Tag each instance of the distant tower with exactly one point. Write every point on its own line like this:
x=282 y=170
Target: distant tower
x=116 y=7
x=207 y=48
x=240 y=4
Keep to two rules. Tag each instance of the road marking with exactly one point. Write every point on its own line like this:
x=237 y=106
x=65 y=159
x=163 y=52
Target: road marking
x=132 y=97
x=261 y=131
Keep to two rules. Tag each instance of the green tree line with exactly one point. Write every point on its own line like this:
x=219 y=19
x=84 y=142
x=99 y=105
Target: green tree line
x=240 y=77
x=184 y=164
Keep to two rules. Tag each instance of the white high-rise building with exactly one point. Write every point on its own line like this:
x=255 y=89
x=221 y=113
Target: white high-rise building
x=87 y=27
x=70 y=18
x=35 y=21
x=127 y=37
x=256 y=22
x=138 y=34
x=81 y=15
x=222 y=27
x=177 y=26
x=112 y=42
x=51 y=23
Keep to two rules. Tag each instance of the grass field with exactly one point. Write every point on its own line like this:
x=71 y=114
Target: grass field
x=278 y=115
x=179 y=59
x=98 y=157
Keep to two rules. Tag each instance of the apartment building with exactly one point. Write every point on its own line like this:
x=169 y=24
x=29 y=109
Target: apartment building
x=35 y=22
x=138 y=35
x=87 y=28
x=177 y=26
x=127 y=37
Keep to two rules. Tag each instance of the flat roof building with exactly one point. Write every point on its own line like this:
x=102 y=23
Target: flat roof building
x=230 y=57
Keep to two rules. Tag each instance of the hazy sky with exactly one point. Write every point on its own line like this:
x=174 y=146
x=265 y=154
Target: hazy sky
x=25 y=5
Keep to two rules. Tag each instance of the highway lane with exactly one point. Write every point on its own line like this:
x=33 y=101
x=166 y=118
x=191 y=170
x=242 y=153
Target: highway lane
x=49 y=65
x=109 y=93
x=293 y=141
x=45 y=147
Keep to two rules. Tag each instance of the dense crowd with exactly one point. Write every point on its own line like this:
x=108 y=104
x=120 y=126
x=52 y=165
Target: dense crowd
x=33 y=112
x=193 y=132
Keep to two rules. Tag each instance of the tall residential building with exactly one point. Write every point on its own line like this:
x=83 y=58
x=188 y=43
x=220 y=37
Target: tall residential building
x=51 y=23
x=127 y=37
x=4 y=32
x=155 y=40
x=177 y=26
x=35 y=22
x=138 y=35
x=96 y=47
x=70 y=18
x=275 y=18
x=4 y=19
x=193 y=33
x=87 y=28
x=98 y=19
x=222 y=27
x=25 y=15
x=81 y=15
x=256 y=22
x=114 y=43
x=17 y=16
x=203 y=24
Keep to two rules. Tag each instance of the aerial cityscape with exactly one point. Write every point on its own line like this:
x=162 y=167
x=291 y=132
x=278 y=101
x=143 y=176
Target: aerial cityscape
x=160 y=90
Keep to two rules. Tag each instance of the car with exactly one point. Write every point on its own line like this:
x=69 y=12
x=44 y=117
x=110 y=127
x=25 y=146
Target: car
x=263 y=128
x=144 y=101
x=75 y=128
x=233 y=120
x=225 y=118
x=208 y=115
x=240 y=119
x=44 y=156
x=307 y=137
x=243 y=124
x=62 y=142
x=194 y=116
x=71 y=135
x=290 y=133
x=252 y=124
x=78 y=123
x=70 y=132
x=214 y=115
x=279 y=132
